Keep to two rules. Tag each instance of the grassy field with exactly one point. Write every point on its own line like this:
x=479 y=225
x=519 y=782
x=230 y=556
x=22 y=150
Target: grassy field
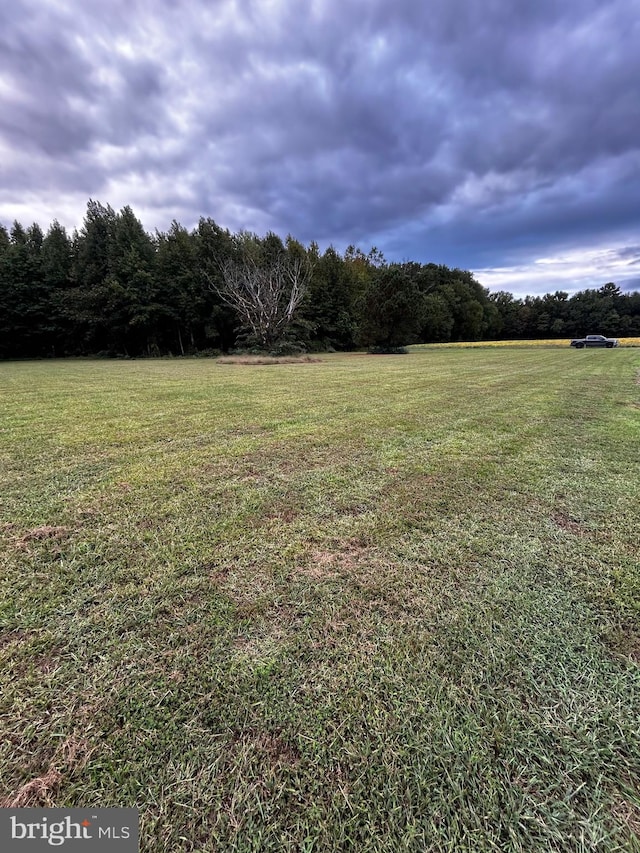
x=367 y=603
x=540 y=342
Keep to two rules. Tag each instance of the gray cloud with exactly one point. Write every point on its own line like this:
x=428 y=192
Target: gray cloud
x=629 y=254
x=453 y=131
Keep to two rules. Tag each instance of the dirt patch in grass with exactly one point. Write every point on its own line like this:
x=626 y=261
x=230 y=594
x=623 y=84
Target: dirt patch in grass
x=14 y=638
x=263 y=628
x=250 y=585
x=217 y=574
x=569 y=524
x=625 y=642
x=22 y=653
x=50 y=661
x=248 y=608
x=252 y=596
x=286 y=514
x=269 y=745
x=321 y=566
x=344 y=557
x=629 y=646
x=46 y=533
x=633 y=649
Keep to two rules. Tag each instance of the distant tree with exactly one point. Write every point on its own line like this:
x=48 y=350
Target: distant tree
x=23 y=298
x=136 y=304
x=6 y=309
x=438 y=320
x=509 y=311
x=114 y=288
x=630 y=321
x=178 y=282
x=329 y=304
x=466 y=307
x=491 y=322
x=57 y=258
x=214 y=322
x=93 y=245
x=264 y=283
x=554 y=310
x=610 y=290
x=361 y=269
x=86 y=307
x=117 y=305
x=392 y=310
x=57 y=264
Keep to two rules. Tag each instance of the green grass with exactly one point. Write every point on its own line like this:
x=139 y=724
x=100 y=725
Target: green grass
x=371 y=603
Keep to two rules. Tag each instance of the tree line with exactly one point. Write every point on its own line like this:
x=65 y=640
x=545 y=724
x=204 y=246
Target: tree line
x=113 y=289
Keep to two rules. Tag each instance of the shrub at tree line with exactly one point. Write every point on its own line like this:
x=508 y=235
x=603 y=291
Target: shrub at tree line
x=113 y=289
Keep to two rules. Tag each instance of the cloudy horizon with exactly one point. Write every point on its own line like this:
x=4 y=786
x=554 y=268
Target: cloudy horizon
x=500 y=138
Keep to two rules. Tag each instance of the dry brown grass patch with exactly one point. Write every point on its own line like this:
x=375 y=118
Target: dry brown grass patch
x=320 y=568
x=40 y=792
x=345 y=556
x=629 y=815
x=50 y=661
x=218 y=574
x=625 y=642
x=248 y=586
x=266 y=359
x=46 y=533
x=261 y=648
x=36 y=793
x=270 y=745
x=284 y=514
x=563 y=521
x=351 y=629
x=14 y=638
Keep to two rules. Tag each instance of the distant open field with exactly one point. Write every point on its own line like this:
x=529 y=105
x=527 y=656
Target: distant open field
x=540 y=342
x=366 y=603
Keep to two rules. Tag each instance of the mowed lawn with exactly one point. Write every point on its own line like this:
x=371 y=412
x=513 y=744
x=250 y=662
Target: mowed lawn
x=370 y=603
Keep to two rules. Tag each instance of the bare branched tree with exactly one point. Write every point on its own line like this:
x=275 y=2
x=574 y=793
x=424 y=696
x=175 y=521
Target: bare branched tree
x=265 y=293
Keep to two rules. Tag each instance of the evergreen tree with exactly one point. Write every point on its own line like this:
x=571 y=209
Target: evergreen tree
x=329 y=306
x=183 y=295
x=217 y=323
x=113 y=288
x=57 y=263
x=6 y=288
x=391 y=310
x=24 y=308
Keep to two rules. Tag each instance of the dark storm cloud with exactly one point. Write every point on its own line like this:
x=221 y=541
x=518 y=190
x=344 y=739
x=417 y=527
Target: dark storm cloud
x=42 y=76
x=630 y=254
x=65 y=91
x=473 y=134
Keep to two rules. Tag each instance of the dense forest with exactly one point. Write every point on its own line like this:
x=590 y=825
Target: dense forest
x=112 y=289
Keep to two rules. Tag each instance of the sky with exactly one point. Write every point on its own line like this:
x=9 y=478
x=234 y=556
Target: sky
x=500 y=136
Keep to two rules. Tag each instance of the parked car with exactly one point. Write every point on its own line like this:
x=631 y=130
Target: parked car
x=595 y=341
